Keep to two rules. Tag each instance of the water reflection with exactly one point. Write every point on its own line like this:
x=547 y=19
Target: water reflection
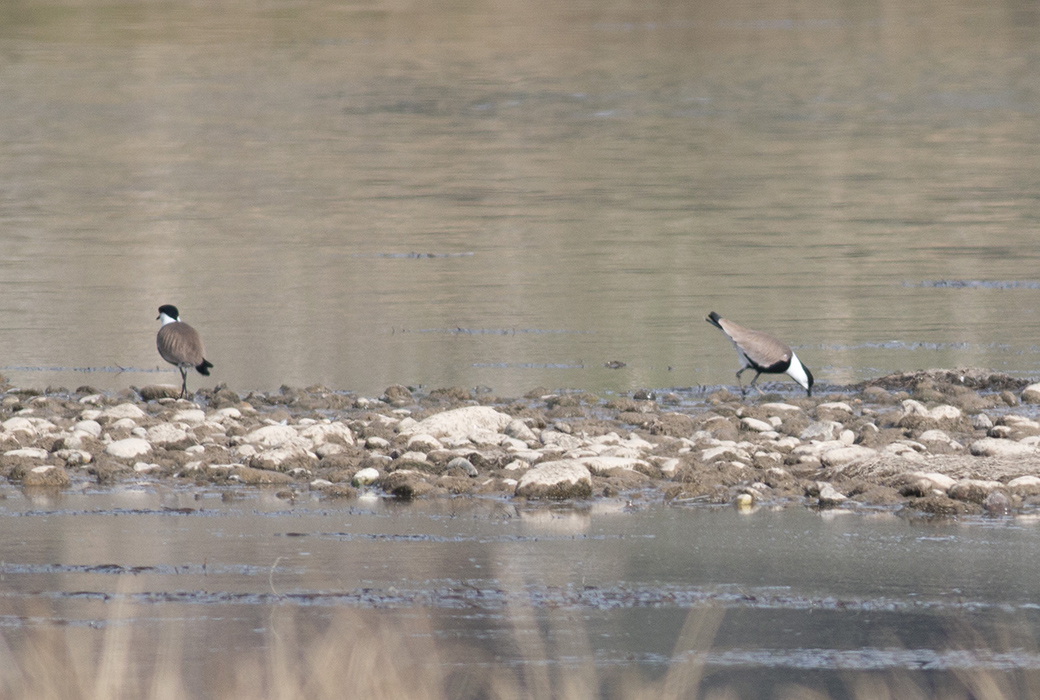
x=781 y=593
x=305 y=183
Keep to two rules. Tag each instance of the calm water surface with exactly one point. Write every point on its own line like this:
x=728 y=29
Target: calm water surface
x=803 y=596
x=513 y=195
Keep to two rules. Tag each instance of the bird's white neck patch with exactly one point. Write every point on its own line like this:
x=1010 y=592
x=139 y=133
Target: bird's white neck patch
x=166 y=319
x=797 y=372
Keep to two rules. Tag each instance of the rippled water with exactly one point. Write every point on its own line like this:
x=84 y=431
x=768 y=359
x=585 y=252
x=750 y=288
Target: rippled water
x=804 y=596
x=513 y=196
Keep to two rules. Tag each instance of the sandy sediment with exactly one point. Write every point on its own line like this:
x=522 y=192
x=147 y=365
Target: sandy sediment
x=943 y=442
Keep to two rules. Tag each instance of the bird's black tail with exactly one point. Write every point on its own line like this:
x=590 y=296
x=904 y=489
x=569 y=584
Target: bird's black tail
x=204 y=367
x=713 y=319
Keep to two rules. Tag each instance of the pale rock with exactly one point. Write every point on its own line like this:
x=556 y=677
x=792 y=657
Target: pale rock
x=424 y=443
x=755 y=425
x=562 y=441
x=514 y=444
x=981 y=422
x=835 y=406
x=74 y=458
x=669 y=466
x=529 y=456
x=788 y=442
x=284 y=458
x=375 y=442
x=912 y=444
x=777 y=409
x=145 y=467
x=328 y=449
x=124 y=410
x=520 y=430
x=1021 y=422
x=974 y=490
x=822 y=430
x=1024 y=481
x=227 y=413
x=599 y=465
x=815 y=449
x=465 y=465
x=123 y=424
x=406 y=425
x=846 y=455
x=19 y=424
x=92 y=399
x=365 y=477
x=776 y=421
x=272 y=436
x=413 y=456
x=848 y=437
x=138 y=431
x=724 y=451
x=460 y=422
x=1031 y=394
x=939 y=436
x=827 y=494
x=559 y=479
x=999 y=447
x=517 y=465
x=935 y=480
x=90 y=428
x=945 y=412
x=191 y=416
x=638 y=443
x=939 y=413
x=321 y=433
x=1032 y=441
x=28 y=453
x=168 y=435
x=128 y=448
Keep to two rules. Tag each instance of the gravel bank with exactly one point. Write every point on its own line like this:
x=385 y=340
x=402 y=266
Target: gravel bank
x=943 y=442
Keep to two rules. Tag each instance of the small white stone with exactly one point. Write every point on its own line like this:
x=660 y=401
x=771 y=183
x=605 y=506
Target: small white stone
x=758 y=426
x=28 y=453
x=88 y=427
x=124 y=410
x=1027 y=480
x=365 y=476
x=999 y=447
x=189 y=415
x=128 y=448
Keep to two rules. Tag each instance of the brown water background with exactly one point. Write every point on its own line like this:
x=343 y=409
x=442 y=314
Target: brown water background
x=513 y=194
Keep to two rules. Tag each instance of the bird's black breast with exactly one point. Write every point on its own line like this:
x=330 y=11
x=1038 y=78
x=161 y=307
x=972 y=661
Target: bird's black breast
x=775 y=368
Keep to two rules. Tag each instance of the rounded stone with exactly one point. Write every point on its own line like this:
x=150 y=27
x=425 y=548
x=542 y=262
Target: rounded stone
x=559 y=479
x=128 y=448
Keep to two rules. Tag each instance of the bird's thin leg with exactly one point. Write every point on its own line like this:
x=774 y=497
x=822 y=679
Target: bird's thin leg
x=743 y=392
x=184 y=382
x=754 y=385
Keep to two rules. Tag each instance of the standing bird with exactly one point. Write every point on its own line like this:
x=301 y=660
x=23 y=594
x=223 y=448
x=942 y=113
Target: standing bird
x=763 y=353
x=180 y=345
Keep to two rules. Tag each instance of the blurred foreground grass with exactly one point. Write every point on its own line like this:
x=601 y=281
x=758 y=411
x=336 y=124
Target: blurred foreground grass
x=362 y=654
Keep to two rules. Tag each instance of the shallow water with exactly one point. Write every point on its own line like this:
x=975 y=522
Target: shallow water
x=513 y=196
x=804 y=596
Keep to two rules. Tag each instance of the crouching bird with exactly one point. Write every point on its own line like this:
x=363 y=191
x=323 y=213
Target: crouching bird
x=763 y=353
x=180 y=345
